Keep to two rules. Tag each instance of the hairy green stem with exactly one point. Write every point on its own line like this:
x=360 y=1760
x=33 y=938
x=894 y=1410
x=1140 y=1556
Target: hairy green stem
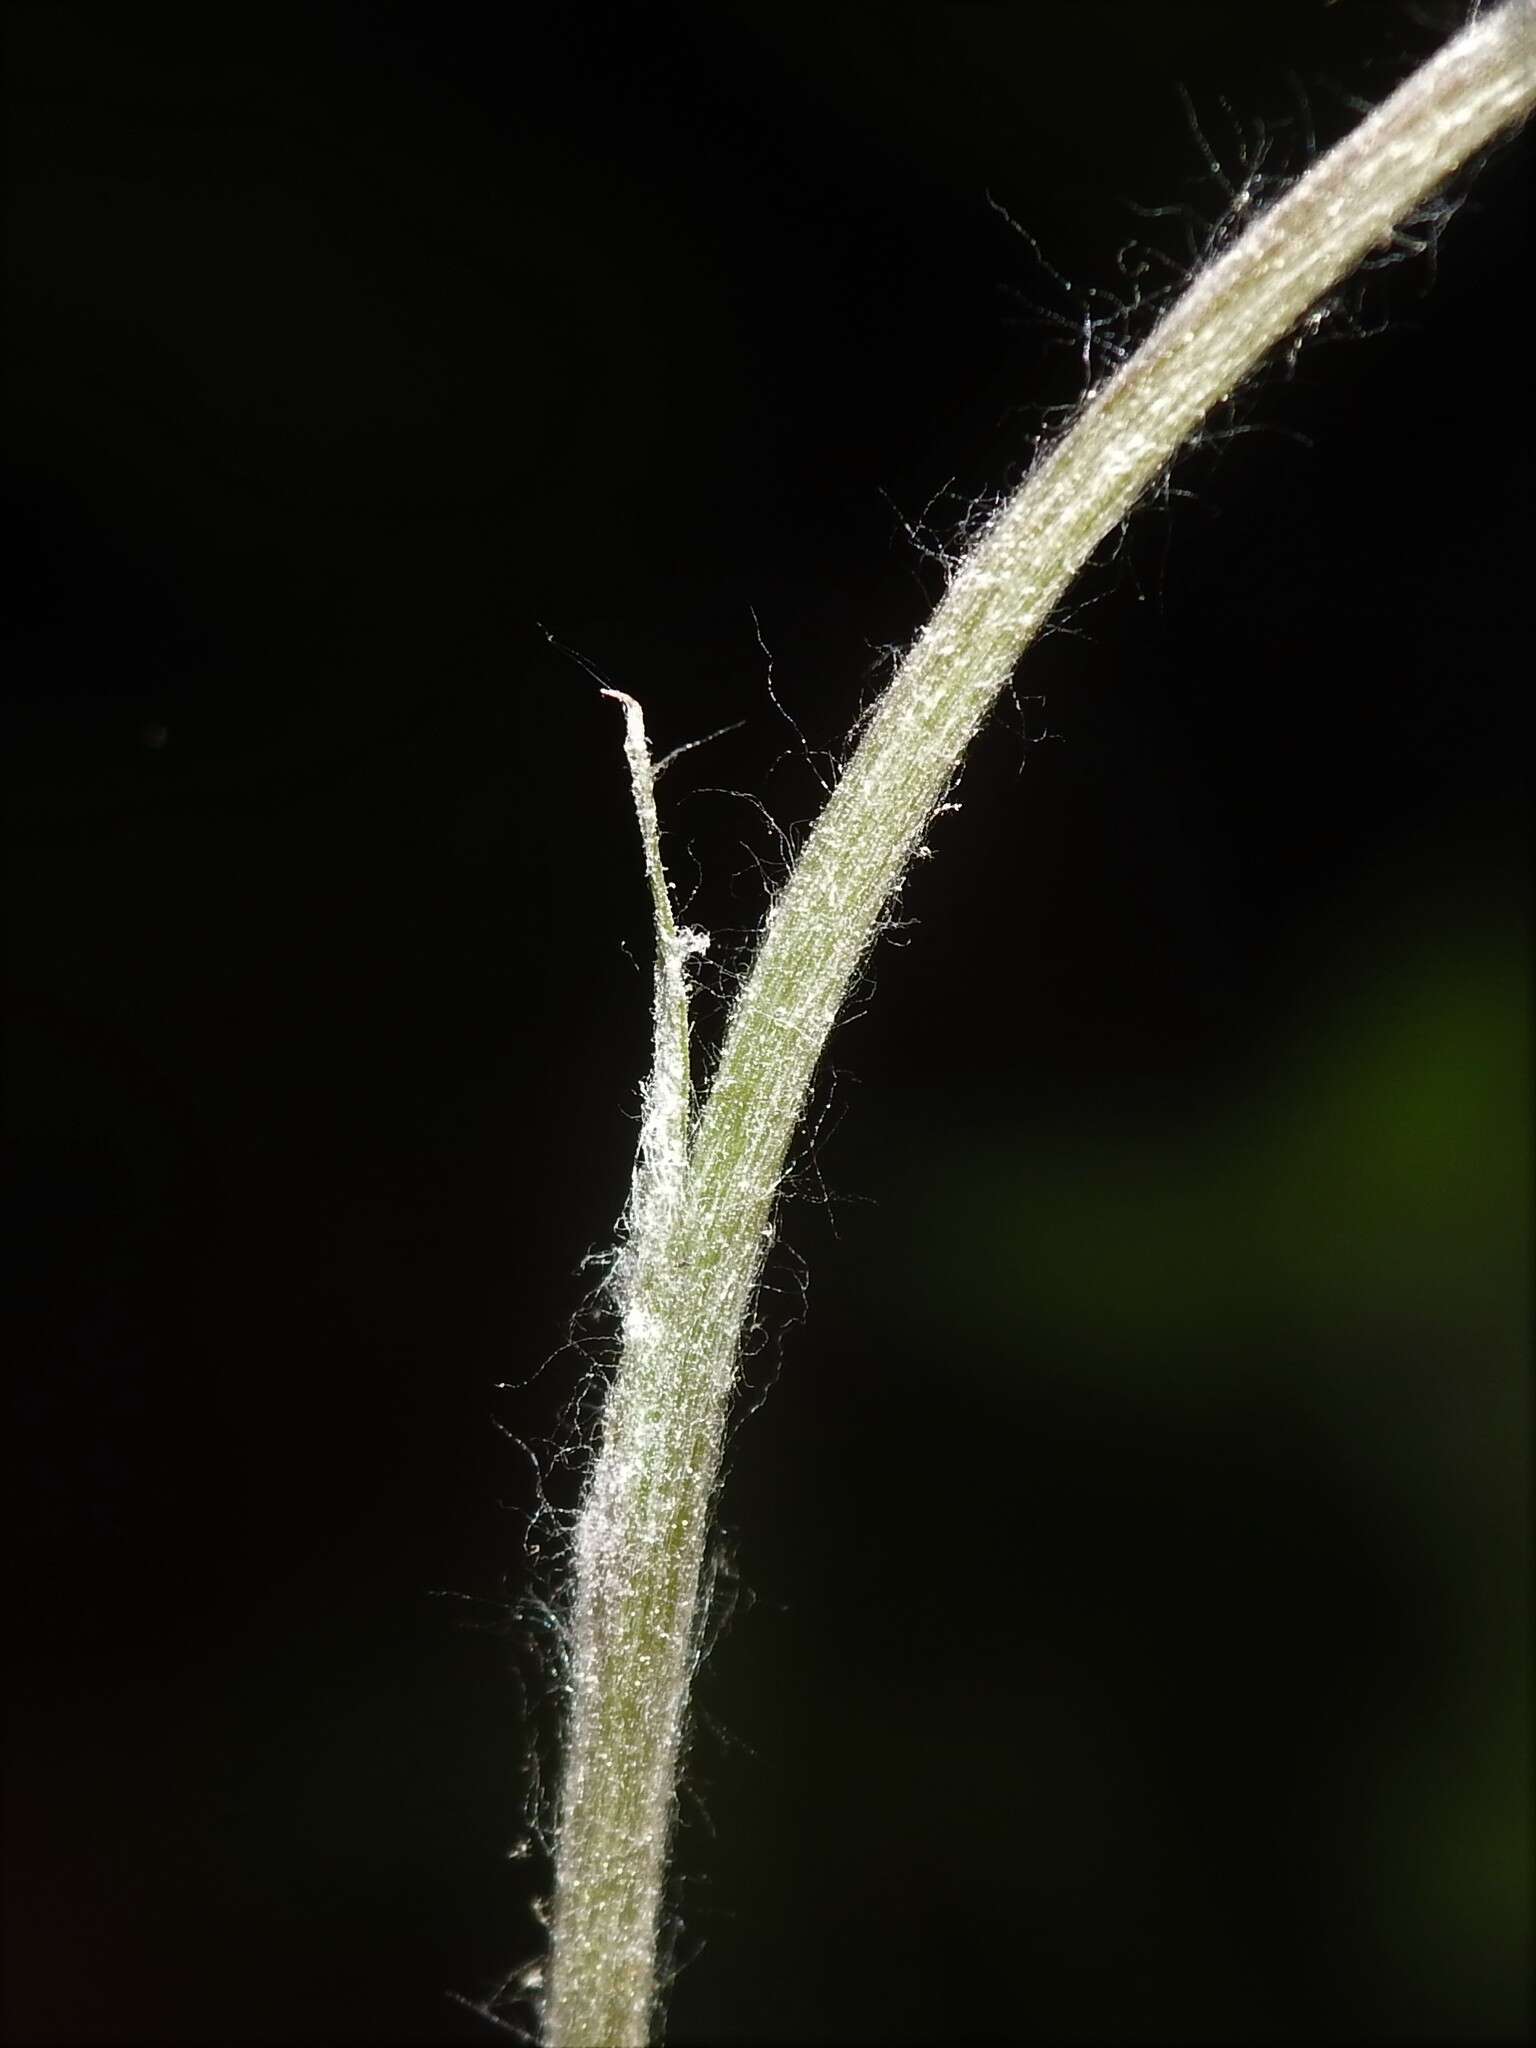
x=700 y=1215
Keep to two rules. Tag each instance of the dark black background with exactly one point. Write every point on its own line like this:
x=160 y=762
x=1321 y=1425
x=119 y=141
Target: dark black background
x=1131 y=1549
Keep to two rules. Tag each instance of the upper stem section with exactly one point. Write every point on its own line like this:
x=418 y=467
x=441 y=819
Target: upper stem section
x=1236 y=310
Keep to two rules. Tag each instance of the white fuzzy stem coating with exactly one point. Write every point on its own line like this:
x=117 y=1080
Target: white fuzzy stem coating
x=700 y=1216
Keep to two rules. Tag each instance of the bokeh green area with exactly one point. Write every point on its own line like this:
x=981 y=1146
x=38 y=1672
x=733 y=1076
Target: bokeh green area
x=1343 y=1255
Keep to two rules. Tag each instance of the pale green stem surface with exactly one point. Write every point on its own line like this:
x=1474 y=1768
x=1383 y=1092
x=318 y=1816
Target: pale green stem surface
x=700 y=1216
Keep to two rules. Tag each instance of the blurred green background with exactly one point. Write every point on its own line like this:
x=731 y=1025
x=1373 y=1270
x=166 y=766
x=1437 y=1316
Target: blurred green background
x=1122 y=1618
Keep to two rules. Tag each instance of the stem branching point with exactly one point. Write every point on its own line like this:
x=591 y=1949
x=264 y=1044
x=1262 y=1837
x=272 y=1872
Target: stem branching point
x=700 y=1212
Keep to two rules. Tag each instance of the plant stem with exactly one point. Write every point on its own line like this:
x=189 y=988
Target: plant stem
x=700 y=1215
